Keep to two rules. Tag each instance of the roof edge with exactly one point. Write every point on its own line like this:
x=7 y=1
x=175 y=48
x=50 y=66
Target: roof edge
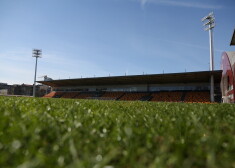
x=233 y=39
x=132 y=75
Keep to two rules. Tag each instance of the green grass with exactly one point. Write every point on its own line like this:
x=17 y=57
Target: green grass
x=111 y=134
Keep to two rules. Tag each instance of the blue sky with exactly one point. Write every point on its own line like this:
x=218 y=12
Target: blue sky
x=109 y=37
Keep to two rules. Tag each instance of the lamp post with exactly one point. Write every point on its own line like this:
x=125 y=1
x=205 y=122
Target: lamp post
x=209 y=25
x=37 y=54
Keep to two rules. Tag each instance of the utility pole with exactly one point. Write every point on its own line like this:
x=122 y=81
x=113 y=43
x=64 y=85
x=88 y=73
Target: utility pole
x=209 y=25
x=37 y=54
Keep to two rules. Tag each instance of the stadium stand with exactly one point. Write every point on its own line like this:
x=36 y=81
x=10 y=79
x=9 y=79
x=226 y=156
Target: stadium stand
x=112 y=95
x=133 y=96
x=84 y=95
x=54 y=95
x=167 y=96
x=69 y=95
x=164 y=96
x=172 y=87
x=197 y=96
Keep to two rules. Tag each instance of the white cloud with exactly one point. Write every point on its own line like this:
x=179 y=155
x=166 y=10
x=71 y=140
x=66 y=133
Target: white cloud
x=180 y=4
x=143 y=2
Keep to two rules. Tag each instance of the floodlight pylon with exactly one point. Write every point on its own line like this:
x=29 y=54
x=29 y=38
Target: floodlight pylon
x=37 y=54
x=209 y=25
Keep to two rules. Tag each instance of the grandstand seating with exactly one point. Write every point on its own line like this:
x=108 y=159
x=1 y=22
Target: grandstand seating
x=167 y=96
x=50 y=95
x=133 y=96
x=112 y=95
x=54 y=95
x=173 y=96
x=197 y=96
x=84 y=95
x=69 y=95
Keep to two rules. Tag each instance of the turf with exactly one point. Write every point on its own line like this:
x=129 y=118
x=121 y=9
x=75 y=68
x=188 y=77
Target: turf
x=36 y=132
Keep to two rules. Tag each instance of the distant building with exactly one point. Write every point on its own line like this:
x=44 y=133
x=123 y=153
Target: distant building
x=23 y=89
x=4 y=87
x=3 y=91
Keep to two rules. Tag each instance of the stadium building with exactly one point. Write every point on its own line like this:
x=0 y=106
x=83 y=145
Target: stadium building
x=228 y=75
x=173 y=87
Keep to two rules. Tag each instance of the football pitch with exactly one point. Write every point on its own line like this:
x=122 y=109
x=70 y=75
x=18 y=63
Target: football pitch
x=37 y=132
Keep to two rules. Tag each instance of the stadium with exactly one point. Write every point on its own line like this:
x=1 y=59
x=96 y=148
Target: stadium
x=167 y=120
x=172 y=87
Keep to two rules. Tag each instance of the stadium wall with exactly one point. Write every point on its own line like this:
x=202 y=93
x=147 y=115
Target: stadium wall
x=228 y=77
x=188 y=87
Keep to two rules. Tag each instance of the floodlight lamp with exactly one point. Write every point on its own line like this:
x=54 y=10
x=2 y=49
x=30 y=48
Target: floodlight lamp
x=210 y=16
x=37 y=53
x=207 y=23
x=208 y=28
x=205 y=18
x=210 y=22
